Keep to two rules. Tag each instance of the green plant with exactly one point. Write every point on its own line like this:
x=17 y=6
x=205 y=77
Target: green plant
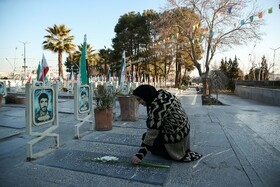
x=105 y=97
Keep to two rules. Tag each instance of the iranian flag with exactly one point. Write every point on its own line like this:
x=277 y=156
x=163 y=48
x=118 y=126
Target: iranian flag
x=123 y=66
x=83 y=63
x=43 y=69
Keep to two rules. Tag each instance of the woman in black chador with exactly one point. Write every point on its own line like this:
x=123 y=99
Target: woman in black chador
x=168 y=128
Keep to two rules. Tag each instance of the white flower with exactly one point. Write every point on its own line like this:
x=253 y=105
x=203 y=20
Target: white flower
x=109 y=159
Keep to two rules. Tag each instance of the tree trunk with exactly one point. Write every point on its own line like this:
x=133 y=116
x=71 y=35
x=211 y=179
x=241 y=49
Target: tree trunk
x=60 y=70
x=178 y=75
x=204 y=78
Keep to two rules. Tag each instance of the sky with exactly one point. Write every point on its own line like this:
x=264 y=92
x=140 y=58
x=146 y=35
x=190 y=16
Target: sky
x=26 y=21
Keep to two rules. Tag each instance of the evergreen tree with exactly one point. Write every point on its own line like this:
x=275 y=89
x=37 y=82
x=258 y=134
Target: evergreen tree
x=264 y=69
x=232 y=71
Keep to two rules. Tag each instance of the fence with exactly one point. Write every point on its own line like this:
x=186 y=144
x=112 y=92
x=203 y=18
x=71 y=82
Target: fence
x=264 y=91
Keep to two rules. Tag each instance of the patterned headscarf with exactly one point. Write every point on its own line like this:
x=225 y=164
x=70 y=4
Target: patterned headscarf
x=146 y=92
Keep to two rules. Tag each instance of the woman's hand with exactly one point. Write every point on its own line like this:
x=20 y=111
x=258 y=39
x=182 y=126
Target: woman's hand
x=135 y=160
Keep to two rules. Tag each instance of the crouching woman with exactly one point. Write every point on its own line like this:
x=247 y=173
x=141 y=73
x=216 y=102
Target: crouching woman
x=168 y=127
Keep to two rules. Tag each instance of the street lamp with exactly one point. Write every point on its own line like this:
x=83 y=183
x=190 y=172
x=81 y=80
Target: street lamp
x=15 y=61
x=274 y=60
x=12 y=67
x=24 y=59
x=253 y=62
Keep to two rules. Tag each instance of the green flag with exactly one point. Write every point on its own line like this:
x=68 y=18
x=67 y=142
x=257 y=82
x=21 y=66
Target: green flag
x=38 y=72
x=83 y=63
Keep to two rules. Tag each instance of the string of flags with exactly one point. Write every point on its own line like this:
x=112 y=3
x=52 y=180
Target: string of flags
x=259 y=15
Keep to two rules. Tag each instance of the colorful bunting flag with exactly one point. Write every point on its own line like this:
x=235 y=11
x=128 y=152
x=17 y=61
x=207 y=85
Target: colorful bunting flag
x=229 y=9
x=242 y=22
x=251 y=18
x=270 y=10
x=260 y=15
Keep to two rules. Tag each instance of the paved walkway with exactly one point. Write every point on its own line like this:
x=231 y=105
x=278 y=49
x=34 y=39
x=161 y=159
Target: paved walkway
x=239 y=141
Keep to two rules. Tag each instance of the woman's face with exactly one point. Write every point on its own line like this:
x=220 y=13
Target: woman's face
x=141 y=101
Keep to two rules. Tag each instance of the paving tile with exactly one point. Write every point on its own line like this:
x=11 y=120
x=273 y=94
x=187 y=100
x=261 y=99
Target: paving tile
x=76 y=160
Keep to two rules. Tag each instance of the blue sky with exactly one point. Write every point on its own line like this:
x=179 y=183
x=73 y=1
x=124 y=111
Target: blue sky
x=26 y=21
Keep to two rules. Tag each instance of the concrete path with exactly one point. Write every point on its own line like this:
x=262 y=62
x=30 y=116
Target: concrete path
x=239 y=142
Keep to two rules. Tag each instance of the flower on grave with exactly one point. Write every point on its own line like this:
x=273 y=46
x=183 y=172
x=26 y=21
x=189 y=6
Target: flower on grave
x=113 y=159
x=103 y=159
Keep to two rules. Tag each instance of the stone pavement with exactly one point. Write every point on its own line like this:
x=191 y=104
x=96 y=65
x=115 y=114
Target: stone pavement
x=239 y=142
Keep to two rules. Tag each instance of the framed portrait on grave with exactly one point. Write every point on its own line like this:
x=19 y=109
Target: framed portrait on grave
x=83 y=99
x=43 y=105
x=3 y=90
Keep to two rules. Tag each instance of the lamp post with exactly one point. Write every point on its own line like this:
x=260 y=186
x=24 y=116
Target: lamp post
x=24 y=59
x=12 y=67
x=15 y=61
x=253 y=62
x=274 y=60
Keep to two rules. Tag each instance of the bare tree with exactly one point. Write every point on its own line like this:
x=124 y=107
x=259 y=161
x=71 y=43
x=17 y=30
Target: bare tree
x=224 y=24
x=172 y=27
x=217 y=81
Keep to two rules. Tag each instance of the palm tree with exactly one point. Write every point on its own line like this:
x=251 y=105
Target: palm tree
x=59 y=41
x=92 y=57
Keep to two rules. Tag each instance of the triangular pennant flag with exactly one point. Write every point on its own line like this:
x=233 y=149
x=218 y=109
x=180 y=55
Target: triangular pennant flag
x=251 y=18
x=242 y=22
x=270 y=10
x=260 y=15
x=229 y=9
